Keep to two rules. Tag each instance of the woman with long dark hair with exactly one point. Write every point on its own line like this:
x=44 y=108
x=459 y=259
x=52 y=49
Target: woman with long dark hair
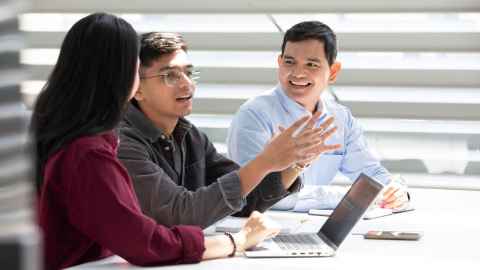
x=87 y=208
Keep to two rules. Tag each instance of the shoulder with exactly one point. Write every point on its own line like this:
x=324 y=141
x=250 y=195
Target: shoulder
x=84 y=150
x=260 y=103
x=259 y=109
x=130 y=138
x=341 y=112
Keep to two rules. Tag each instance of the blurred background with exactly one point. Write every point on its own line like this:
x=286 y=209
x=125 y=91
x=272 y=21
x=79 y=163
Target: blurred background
x=411 y=76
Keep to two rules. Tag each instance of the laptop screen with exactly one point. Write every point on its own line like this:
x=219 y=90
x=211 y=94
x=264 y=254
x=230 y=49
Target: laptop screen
x=350 y=210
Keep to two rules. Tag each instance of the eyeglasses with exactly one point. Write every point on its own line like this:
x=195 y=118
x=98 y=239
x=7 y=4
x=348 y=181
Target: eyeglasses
x=172 y=76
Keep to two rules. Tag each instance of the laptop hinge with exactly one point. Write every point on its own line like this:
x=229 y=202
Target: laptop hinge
x=327 y=241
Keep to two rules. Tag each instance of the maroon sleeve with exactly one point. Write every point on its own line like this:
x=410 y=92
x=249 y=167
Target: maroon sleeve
x=103 y=206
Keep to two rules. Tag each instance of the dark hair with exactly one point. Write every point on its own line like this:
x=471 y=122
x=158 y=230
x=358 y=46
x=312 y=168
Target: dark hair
x=89 y=87
x=313 y=30
x=155 y=44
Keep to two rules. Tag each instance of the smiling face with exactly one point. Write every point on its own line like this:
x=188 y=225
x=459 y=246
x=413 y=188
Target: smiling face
x=165 y=91
x=304 y=72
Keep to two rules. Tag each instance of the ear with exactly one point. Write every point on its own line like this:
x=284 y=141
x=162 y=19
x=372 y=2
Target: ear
x=139 y=95
x=334 y=71
x=279 y=60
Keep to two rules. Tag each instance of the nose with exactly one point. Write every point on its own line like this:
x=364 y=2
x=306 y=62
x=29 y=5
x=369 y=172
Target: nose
x=297 y=71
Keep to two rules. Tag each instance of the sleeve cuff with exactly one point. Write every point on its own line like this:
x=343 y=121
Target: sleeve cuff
x=271 y=188
x=296 y=186
x=193 y=242
x=229 y=185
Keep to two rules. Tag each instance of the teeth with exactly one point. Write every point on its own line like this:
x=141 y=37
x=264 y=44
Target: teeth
x=299 y=83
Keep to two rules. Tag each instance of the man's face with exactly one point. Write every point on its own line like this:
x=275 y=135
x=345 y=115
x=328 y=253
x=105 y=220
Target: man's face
x=165 y=86
x=304 y=72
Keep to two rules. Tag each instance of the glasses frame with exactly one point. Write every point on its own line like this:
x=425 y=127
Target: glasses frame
x=192 y=78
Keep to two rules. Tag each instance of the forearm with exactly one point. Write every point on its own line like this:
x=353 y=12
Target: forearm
x=220 y=246
x=252 y=174
x=170 y=204
x=289 y=176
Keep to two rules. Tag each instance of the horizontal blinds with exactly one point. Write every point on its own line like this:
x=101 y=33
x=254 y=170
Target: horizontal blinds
x=411 y=68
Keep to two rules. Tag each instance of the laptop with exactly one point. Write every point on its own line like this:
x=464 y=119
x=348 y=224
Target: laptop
x=335 y=229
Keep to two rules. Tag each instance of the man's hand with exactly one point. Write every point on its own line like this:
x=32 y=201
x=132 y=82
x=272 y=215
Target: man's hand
x=395 y=195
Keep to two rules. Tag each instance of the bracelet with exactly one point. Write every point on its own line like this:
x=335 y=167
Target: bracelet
x=230 y=236
x=298 y=168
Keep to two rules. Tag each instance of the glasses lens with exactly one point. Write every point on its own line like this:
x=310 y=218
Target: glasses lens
x=194 y=76
x=173 y=76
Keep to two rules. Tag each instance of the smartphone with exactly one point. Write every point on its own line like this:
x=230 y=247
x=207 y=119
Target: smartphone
x=392 y=235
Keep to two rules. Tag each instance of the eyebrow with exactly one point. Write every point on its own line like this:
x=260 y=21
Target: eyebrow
x=175 y=67
x=316 y=60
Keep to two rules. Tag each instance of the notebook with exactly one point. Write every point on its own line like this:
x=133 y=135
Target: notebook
x=371 y=213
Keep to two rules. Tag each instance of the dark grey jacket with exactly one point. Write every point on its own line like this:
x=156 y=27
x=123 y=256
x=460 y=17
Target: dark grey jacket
x=202 y=188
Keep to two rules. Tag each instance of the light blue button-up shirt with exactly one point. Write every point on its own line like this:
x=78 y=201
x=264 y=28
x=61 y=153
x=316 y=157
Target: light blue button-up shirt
x=258 y=119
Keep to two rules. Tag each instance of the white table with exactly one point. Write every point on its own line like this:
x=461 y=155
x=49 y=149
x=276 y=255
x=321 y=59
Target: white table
x=449 y=219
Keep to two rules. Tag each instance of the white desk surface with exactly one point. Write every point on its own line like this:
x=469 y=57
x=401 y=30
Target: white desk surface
x=449 y=219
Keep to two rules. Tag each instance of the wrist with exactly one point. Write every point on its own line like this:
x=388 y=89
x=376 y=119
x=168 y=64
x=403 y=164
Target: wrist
x=298 y=168
x=264 y=163
x=234 y=244
x=240 y=240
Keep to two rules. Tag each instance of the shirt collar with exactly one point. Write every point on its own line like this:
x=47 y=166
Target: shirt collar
x=137 y=119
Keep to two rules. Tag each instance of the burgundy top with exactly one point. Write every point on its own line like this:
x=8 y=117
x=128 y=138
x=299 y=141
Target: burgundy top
x=88 y=210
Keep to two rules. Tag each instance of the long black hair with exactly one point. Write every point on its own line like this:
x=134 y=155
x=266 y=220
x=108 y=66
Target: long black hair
x=89 y=87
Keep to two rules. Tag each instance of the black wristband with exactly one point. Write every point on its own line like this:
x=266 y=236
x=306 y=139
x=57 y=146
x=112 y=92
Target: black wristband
x=230 y=236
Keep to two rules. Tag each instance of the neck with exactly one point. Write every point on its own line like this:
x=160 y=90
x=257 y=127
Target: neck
x=166 y=123
x=309 y=105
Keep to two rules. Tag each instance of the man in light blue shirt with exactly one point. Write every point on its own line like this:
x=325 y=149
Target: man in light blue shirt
x=307 y=66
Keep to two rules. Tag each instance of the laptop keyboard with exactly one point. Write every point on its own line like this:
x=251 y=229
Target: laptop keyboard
x=298 y=241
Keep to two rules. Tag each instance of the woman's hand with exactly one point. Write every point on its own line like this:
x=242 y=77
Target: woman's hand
x=253 y=232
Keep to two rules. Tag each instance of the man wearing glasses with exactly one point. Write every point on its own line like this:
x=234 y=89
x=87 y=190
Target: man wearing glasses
x=177 y=173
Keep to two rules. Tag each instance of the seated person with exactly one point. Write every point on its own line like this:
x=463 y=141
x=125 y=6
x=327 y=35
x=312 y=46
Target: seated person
x=306 y=66
x=178 y=175
x=87 y=209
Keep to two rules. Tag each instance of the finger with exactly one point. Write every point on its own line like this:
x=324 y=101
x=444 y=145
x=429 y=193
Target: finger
x=317 y=133
x=322 y=148
x=398 y=195
x=327 y=134
x=389 y=192
x=397 y=204
x=302 y=121
x=272 y=233
x=331 y=147
x=314 y=119
x=327 y=122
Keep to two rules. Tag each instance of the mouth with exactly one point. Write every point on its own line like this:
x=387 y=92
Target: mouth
x=299 y=84
x=184 y=98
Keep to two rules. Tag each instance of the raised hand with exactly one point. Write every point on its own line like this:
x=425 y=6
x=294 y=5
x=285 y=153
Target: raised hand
x=301 y=142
